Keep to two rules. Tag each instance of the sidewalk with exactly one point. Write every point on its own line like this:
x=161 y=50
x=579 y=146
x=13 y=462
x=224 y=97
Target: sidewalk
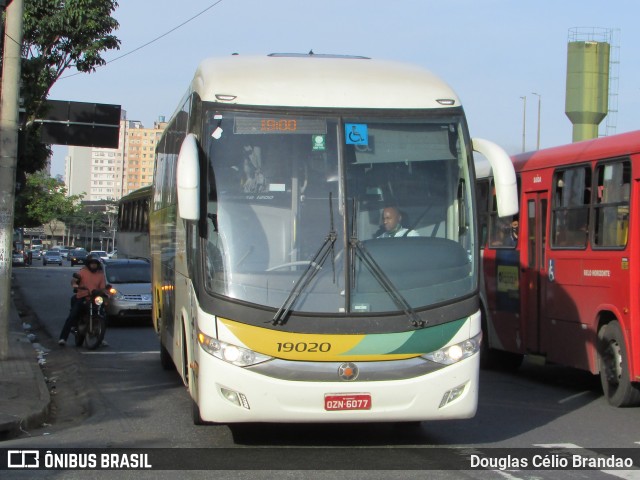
x=24 y=394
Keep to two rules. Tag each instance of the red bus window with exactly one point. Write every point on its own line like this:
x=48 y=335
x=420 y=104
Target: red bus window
x=611 y=210
x=571 y=200
x=503 y=232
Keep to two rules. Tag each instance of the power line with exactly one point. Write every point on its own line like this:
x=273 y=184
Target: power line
x=153 y=40
x=166 y=33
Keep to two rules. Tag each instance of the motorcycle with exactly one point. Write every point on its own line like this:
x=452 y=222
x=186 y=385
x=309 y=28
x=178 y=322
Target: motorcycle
x=92 y=322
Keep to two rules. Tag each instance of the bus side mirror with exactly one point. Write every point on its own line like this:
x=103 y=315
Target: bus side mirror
x=188 y=179
x=504 y=176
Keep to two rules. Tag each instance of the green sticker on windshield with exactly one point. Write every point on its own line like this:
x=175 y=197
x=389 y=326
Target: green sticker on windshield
x=319 y=143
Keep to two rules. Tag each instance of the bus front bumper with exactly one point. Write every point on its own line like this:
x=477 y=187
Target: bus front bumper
x=230 y=394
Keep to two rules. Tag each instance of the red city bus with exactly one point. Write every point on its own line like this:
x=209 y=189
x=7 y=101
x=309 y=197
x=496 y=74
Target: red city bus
x=562 y=279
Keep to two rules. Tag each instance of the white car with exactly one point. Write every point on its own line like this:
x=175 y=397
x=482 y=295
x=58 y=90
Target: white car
x=101 y=253
x=130 y=294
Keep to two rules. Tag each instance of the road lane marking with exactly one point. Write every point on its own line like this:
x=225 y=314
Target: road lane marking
x=506 y=475
x=152 y=352
x=557 y=445
x=573 y=397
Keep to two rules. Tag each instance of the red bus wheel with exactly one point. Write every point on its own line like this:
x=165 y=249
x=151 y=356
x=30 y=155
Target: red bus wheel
x=613 y=360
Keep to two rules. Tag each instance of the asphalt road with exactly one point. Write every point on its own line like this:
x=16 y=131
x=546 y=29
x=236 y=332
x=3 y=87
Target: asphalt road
x=120 y=397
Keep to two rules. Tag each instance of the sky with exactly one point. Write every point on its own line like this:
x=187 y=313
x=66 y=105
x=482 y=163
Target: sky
x=491 y=52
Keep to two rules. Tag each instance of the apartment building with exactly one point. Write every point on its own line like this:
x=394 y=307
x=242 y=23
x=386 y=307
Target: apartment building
x=77 y=166
x=110 y=173
x=140 y=154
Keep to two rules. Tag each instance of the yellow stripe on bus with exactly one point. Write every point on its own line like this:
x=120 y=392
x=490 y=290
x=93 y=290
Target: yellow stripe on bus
x=316 y=346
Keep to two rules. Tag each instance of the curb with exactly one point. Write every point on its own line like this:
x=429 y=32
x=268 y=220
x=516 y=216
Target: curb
x=25 y=401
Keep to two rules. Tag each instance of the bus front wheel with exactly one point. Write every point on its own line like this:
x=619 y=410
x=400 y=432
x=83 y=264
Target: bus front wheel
x=613 y=360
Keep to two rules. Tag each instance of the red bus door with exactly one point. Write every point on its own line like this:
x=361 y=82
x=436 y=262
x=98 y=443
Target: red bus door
x=534 y=268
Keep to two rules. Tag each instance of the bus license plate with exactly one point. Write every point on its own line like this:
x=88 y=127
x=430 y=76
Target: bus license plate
x=348 y=401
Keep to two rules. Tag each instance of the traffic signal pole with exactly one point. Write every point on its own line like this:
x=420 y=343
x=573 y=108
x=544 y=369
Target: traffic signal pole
x=9 y=104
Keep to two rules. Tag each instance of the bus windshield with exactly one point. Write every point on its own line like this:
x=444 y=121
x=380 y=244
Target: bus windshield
x=338 y=214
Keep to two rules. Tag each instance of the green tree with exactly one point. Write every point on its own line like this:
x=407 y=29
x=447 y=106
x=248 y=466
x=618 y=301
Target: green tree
x=88 y=219
x=46 y=202
x=60 y=36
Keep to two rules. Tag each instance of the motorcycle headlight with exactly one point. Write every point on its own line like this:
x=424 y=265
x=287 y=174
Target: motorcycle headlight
x=242 y=357
x=456 y=352
x=98 y=300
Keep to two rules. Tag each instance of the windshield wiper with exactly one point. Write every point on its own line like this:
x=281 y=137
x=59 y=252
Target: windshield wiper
x=386 y=283
x=315 y=265
x=356 y=245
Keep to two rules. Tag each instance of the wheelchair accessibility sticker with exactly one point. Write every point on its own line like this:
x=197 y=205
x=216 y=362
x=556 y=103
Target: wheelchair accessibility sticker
x=356 y=134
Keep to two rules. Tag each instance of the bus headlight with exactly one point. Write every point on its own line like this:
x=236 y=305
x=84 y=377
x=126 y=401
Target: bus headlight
x=242 y=357
x=456 y=352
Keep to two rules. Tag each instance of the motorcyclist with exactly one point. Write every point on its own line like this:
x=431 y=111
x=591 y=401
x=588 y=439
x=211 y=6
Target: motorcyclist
x=89 y=278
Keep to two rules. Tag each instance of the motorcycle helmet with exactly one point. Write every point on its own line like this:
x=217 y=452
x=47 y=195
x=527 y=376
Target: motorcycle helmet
x=92 y=257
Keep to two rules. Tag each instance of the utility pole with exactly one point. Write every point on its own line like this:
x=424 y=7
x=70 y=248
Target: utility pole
x=539 y=106
x=92 y=220
x=9 y=103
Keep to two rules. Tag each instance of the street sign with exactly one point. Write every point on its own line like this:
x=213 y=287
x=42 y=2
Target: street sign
x=81 y=124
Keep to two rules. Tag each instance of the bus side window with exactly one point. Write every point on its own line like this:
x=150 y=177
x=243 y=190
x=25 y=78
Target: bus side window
x=503 y=232
x=570 y=216
x=611 y=207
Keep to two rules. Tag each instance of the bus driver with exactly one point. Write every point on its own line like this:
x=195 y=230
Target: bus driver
x=391 y=219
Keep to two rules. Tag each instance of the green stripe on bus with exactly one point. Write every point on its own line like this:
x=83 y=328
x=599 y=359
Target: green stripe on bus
x=420 y=341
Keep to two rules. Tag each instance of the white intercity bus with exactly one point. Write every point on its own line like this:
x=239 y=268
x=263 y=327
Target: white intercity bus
x=278 y=297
